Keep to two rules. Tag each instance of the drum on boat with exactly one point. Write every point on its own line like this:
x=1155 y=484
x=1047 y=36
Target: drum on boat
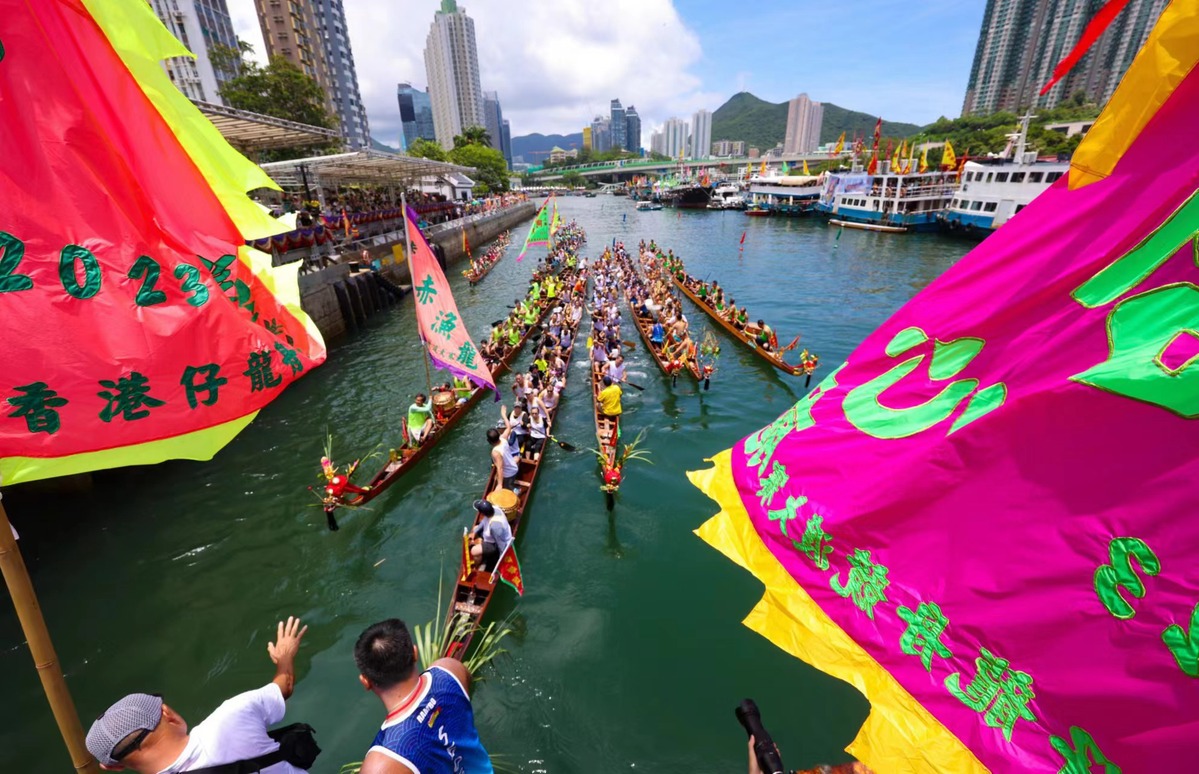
x=503 y=498
x=443 y=402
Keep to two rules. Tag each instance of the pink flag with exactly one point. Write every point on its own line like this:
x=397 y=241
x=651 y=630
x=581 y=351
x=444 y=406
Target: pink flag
x=441 y=328
x=994 y=497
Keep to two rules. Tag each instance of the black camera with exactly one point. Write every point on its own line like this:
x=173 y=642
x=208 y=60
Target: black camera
x=769 y=760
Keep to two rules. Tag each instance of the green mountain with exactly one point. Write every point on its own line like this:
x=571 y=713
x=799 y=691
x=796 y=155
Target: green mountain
x=763 y=124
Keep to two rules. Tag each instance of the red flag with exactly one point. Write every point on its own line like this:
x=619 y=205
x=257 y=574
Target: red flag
x=466 y=244
x=509 y=570
x=878 y=131
x=743 y=233
x=1103 y=17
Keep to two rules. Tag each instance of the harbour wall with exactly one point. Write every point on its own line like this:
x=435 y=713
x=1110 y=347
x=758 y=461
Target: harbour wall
x=341 y=298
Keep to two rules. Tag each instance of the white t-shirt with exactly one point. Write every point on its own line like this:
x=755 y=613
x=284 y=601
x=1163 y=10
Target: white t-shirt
x=236 y=731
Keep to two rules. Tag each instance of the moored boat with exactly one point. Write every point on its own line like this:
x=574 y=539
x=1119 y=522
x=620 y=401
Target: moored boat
x=861 y=226
x=994 y=190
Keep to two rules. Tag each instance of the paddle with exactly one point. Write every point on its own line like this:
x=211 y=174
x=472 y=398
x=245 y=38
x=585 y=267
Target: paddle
x=634 y=385
x=629 y=344
x=565 y=446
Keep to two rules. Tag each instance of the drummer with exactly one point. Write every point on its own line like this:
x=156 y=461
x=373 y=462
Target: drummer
x=490 y=537
x=420 y=420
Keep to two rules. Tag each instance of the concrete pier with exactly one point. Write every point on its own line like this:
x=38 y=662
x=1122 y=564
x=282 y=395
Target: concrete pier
x=340 y=298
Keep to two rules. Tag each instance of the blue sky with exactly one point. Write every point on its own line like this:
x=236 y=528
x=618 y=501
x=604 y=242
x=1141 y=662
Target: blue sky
x=907 y=61
x=557 y=63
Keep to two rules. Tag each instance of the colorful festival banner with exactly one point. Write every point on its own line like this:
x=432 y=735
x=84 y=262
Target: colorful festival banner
x=539 y=232
x=982 y=520
x=508 y=569
x=441 y=327
x=139 y=324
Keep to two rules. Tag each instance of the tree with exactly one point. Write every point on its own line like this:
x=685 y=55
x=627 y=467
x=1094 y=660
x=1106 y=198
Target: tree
x=426 y=149
x=473 y=135
x=280 y=89
x=492 y=170
x=572 y=179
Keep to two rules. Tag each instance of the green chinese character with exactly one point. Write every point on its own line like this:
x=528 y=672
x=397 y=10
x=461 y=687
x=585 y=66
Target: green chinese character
x=1111 y=578
x=219 y=269
x=274 y=326
x=771 y=485
x=212 y=381
x=426 y=291
x=259 y=371
x=1081 y=753
x=1183 y=644
x=291 y=358
x=1002 y=694
x=466 y=355
x=787 y=513
x=445 y=323
x=867 y=582
x=1139 y=331
x=37 y=407
x=761 y=446
x=129 y=397
x=815 y=543
x=864 y=410
x=926 y=624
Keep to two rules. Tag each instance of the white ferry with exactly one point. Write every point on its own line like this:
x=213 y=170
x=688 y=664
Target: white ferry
x=792 y=195
x=893 y=200
x=994 y=190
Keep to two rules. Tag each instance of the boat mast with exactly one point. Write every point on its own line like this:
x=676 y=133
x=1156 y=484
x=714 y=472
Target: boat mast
x=1021 y=136
x=412 y=278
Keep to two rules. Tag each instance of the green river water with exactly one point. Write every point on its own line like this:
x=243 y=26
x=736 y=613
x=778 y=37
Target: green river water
x=628 y=652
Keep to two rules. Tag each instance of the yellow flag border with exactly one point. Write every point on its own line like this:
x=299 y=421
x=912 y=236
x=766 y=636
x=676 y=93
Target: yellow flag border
x=899 y=735
x=196 y=445
x=1170 y=53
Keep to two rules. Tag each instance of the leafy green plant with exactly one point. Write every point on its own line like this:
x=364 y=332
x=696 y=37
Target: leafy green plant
x=433 y=638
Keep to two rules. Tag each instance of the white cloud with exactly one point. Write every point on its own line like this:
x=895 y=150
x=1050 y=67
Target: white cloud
x=554 y=63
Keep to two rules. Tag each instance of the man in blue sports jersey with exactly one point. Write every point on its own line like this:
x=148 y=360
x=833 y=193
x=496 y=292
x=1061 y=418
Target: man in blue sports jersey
x=430 y=726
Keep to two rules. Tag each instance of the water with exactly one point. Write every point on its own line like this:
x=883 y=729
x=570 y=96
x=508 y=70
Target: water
x=628 y=652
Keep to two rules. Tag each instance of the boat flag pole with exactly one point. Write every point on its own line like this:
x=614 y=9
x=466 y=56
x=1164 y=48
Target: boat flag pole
x=33 y=625
x=412 y=276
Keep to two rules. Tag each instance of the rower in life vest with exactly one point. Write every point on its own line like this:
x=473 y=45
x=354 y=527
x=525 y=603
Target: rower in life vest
x=767 y=339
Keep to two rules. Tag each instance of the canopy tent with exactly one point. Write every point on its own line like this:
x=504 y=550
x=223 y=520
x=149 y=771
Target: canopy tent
x=253 y=132
x=358 y=167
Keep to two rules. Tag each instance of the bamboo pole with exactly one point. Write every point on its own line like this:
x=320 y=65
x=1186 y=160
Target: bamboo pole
x=24 y=599
x=412 y=279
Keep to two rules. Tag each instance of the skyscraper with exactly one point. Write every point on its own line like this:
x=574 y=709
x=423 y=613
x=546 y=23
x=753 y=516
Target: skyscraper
x=632 y=132
x=506 y=149
x=416 y=115
x=493 y=119
x=701 y=134
x=292 y=33
x=1021 y=41
x=674 y=133
x=343 y=77
x=452 y=67
x=587 y=137
x=657 y=142
x=601 y=134
x=804 y=121
x=200 y=25
x=619 y=130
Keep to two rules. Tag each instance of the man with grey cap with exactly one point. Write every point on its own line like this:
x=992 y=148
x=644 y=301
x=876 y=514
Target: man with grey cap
x=141 y=733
